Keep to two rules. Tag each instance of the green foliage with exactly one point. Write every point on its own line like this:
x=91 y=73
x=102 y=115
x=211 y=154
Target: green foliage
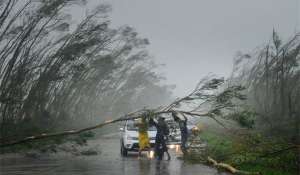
x=217 y=146
x=252 y=152
x=265 y=170
x=244 y=118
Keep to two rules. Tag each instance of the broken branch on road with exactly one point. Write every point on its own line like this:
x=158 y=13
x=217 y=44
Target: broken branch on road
x=230 y=168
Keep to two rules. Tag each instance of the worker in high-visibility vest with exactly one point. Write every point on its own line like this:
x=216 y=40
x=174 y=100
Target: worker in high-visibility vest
x=144 y=142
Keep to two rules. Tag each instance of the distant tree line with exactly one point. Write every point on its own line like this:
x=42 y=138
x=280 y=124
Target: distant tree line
x=56 y=74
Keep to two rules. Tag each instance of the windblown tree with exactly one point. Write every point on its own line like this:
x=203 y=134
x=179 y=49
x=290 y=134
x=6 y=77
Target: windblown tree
x=54 y=71
x=273 y=84
x=272 y=77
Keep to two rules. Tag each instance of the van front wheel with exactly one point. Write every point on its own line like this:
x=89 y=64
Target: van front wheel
x=124 y=151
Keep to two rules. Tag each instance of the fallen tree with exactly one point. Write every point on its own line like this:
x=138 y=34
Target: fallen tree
x=209 y=94
x=204 y=93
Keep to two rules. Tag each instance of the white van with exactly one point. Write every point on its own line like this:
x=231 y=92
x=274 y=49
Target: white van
x=130 y=137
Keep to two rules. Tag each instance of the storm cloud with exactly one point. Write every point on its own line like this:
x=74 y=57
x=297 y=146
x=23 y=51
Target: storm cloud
x=195 y=37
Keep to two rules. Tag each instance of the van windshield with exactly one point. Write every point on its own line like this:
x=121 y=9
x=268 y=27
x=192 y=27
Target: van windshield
x=131 y=126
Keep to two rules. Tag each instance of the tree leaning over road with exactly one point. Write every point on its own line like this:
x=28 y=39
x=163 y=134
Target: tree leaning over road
x=55 y=72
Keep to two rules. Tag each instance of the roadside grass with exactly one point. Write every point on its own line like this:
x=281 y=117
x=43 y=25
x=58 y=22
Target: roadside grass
x=265 y=170
x=244 y=153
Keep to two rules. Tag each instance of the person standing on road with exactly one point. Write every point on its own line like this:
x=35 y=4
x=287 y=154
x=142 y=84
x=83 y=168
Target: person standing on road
x=160 y=138
x=144 y=142
x=183 y=130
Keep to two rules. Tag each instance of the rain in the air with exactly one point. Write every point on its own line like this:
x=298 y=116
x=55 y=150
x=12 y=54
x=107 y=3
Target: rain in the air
x=149 y=87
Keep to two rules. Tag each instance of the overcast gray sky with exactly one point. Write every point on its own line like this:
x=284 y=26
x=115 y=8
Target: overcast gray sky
x=195 y=37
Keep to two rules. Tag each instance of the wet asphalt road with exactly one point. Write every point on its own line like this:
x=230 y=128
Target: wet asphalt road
x=109 y=162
